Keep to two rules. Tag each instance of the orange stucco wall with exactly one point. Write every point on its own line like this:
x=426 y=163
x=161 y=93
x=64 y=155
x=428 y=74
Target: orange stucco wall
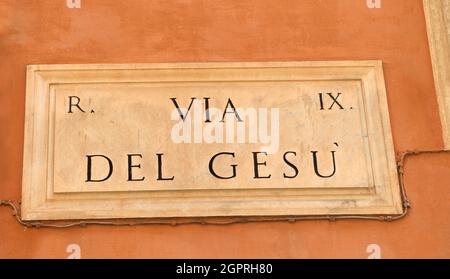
x=141 y=31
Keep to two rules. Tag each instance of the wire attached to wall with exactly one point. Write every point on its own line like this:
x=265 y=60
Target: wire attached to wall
x=406 y=204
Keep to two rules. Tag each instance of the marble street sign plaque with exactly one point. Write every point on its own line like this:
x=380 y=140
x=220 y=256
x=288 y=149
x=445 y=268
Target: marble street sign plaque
x=207 y=139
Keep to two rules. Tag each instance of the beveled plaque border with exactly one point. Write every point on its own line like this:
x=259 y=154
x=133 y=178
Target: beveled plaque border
x=39 y=202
